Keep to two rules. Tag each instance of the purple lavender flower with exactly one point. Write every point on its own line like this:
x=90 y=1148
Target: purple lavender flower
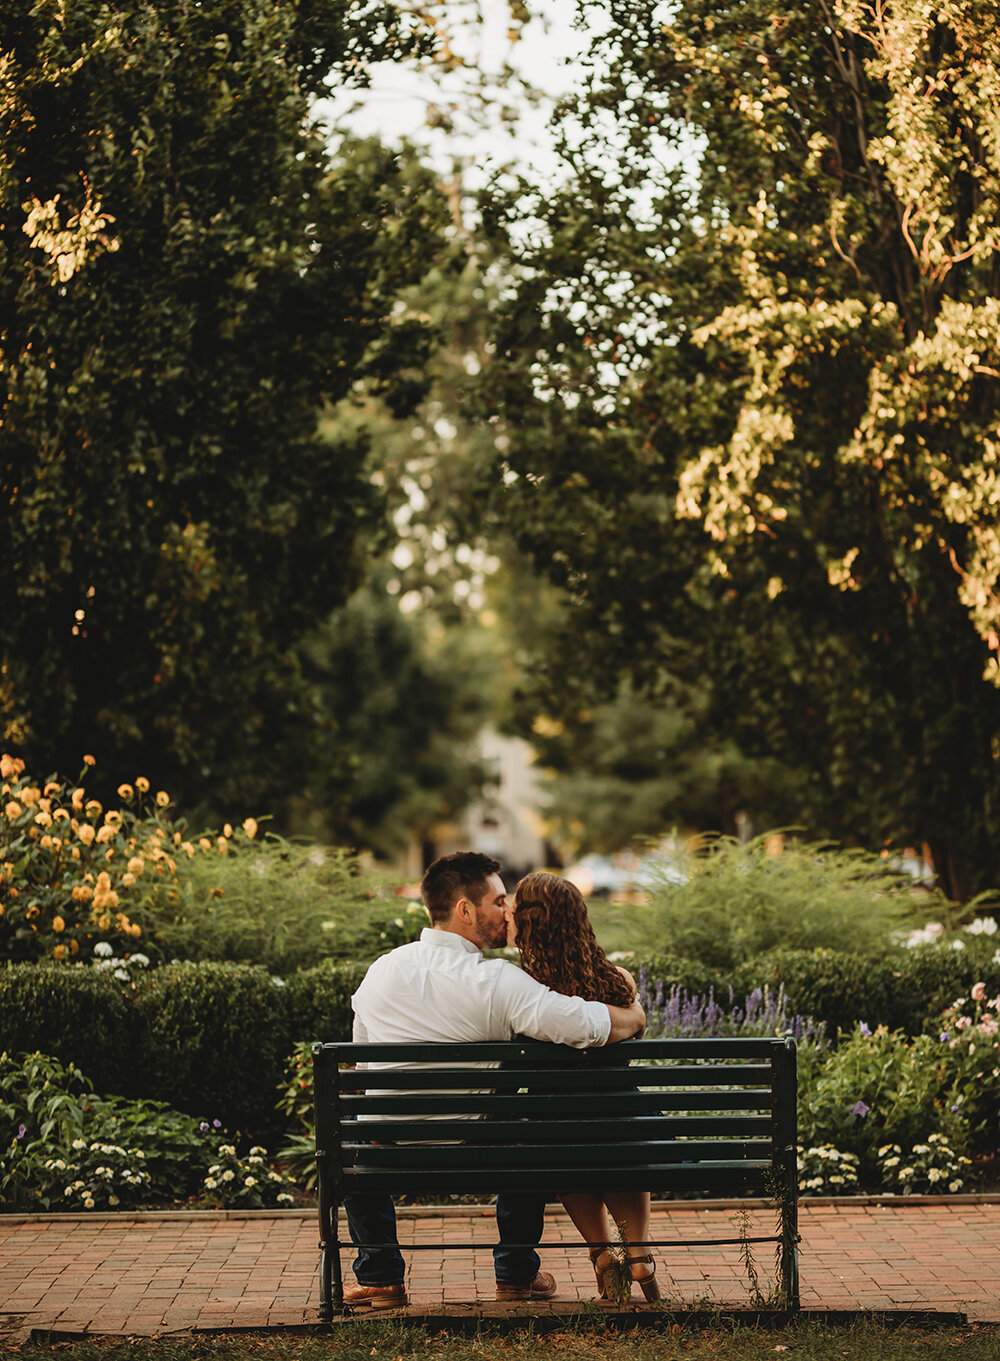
x=204 y=1127
x=945 y=1037
x=22 y=1131
x=864 y=1028
x=216 y=1124
x=861 y=1110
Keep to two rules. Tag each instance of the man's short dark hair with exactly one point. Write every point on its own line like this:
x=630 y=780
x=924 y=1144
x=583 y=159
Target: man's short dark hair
x=462 y=875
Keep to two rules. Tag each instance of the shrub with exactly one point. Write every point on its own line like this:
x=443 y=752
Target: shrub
x=211 y=1040
x=283 y=906
x=41 y=1112
x=245 y=1183
x=78 y=1015
x=928 y=978
x=836 y=987
x=933 y=1167
x=878 y=1087
x=970 y=1041
x=742 y=900
x=826 y=1171
x=319 y=1001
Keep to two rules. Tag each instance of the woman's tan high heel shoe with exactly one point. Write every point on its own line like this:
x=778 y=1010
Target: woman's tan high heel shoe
x=647 y=1284
x=610 y=1282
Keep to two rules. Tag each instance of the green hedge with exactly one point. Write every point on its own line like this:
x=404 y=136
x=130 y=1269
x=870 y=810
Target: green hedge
x=907 y=990
x=210 y=1039
x=79 y=1016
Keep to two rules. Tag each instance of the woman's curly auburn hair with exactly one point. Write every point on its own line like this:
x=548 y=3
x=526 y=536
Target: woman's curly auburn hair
x=558 y=945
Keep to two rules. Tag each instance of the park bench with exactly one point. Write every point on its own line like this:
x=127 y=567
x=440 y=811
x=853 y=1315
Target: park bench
x=711 y=1116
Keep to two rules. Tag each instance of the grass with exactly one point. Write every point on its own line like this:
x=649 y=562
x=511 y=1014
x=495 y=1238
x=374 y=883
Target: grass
x=388 y=1340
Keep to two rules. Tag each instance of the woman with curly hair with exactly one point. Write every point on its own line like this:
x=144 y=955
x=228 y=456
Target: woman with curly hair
x=549 y=925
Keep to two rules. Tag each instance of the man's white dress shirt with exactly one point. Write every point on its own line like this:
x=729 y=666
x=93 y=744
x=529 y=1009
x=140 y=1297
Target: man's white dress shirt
x=441 y=988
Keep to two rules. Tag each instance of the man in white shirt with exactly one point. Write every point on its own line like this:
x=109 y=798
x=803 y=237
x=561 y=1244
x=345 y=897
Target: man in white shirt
x=440 y=987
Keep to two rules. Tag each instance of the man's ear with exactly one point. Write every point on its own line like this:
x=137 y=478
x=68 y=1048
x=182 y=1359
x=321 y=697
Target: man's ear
x=465 y=910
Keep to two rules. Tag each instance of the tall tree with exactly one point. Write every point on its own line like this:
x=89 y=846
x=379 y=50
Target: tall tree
x=763 y=449
x=186 y=276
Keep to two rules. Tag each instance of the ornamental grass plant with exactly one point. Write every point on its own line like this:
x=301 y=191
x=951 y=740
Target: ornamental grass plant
x=741 y=900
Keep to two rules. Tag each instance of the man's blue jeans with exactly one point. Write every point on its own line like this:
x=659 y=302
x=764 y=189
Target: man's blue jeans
x=372 y=1219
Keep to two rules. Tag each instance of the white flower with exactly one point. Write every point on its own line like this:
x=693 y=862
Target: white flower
x=256 y=1162
x=955 y=1185
x=121 y=975
x=210 y=1182
x=113 y=1200
x=284 y=1198
x=227 y=1149
x=250 y=1181
x=905 y=1173
x=103 y=950
x=257 y=1151
x=227 y=1176
x=68 y=1191
x=920 y=1148
x=836 y=1181
x=982 y=926
x=88 y=1204
x=79 y=1143
x=892 y=1162
x=934 y=1174
x=140 y=959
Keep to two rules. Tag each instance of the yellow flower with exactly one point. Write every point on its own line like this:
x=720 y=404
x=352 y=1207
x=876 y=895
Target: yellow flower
x=103 y=922
x=59 y=952
x=61 y=815
x=10 y=766
x=113 y=818
x=89 y=761
x=92 y=808
x=77 y=799
x=204 y=843
x=135 y=930
x=125 y=791
x=52 y=788
x=109 y=854
x=74 y=947
x=250 y=827
x=45 y=805
x=82 y=893
x=223 y=845
x=142 y=784
x=75 y=852
x=58 y=925
x=227 y=831
x=86 y=834
x=30 y=796
x=43 y=819
x=186 y=846
x=104 y=834
x=56 y=842
x=104 y=881
x=162 y=799
x=13 y=810
x=45 y=842
x=136 y=865
x=128 y=880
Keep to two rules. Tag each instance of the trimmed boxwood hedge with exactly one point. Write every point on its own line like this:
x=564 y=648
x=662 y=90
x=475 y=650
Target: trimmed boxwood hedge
x=211 y=1039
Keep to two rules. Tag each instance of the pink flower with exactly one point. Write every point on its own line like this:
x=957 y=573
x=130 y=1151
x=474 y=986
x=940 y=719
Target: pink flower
x=978 y=991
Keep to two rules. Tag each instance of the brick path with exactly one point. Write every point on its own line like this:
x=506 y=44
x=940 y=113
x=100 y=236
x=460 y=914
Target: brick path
x=175 y=1273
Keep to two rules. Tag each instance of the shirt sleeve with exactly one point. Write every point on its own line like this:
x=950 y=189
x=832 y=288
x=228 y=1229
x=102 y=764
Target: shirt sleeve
x=530 y=1008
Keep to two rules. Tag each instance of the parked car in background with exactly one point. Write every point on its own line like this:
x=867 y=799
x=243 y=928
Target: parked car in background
x=622 y=874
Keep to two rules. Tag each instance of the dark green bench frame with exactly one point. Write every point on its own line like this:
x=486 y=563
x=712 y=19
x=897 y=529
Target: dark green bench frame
x=710 y=1116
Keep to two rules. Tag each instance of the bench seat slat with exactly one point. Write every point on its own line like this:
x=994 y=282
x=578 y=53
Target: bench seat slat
x=559 y=1131
x=554 y=1079
x=554 y=1181
x=612 y=1103
x=409 y=1159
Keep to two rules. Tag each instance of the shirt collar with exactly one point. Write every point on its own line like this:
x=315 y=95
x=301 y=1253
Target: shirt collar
x=447 y=940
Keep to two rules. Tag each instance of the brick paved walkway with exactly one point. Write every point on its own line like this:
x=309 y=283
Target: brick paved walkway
x=174 y=1273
